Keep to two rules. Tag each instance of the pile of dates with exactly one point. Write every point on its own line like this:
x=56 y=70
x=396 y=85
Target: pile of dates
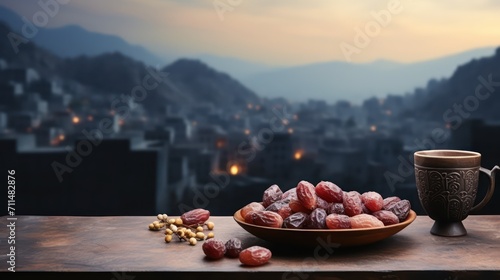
x=324 y=206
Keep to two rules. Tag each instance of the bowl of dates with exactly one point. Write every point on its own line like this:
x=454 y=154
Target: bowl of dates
x=309 y=215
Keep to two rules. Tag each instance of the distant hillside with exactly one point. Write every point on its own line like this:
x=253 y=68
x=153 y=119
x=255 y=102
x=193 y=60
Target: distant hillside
x=112 y=72
x=238 y=68
x=205 y=84
x=188 y=80
x=355 y=82
x=72 y=41
x=437 y=100
x=78 y=41
x=43 y=61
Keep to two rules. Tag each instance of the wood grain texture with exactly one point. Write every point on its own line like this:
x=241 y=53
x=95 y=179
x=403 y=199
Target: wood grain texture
x=112 y=245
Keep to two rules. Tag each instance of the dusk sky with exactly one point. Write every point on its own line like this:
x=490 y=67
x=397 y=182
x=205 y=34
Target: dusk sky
x=285 y=32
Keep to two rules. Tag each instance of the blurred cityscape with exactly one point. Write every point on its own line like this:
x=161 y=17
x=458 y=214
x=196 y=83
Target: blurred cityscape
x=108 y=135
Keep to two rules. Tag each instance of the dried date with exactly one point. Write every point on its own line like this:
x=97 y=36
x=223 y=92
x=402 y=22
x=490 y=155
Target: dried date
x=296 y=206
x=295 y=220
x=401 y=209
x=365 y=209
x=255 y=255
x=321 y=203
x=281 y=207
x=352 y=203
x=285 y=211
x=329 y=192
x=214 y=249
x=372 y=200
x=271 y=195
x=251 y=216
x=338 y=221
x=386 y=217
x=291 y=193
x=233 y=247
x=316 y=219
x=306 y=195
x=195 y=216
x=336 y=208
x=252 y=206
x=267 y=219
x=388 y=201
x=365 y=221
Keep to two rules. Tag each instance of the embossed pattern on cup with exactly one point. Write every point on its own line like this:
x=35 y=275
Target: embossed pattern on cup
x=447 y=182
x=447 y=194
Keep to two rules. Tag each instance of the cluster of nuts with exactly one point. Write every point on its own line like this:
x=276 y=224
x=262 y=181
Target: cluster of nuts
x=176 y=226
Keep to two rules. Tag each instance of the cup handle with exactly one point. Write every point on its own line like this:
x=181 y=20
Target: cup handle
x=489 y=194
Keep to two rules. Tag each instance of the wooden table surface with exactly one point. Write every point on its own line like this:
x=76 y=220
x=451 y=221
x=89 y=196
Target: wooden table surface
x=123 y=248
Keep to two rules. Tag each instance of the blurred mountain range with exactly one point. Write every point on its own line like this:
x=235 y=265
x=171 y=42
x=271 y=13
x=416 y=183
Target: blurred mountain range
x=356 y=82
x=189 y=81
x=73 y=40
x=472 y=91
x=330 y=81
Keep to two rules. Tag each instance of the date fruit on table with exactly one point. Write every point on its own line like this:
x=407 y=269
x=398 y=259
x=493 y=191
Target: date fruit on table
x=214 y=249
x=195 y=217
x=233 y=248
x=255 y=255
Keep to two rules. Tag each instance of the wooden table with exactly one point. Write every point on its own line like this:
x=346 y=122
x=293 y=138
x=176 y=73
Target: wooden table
x=116 y=248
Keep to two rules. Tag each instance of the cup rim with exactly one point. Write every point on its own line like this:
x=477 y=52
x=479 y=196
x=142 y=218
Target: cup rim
x=464 y=154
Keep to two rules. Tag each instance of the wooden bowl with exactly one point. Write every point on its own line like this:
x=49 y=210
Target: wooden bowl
x=310 y=237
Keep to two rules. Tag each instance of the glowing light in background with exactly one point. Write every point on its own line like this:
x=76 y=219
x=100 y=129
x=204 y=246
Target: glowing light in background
x=234 y=169
x=298 y=155
x=373 y=128
x=220 y=144
x=57 y=140
x=76 y=120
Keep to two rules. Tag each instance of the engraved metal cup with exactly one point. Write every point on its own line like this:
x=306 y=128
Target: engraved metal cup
x=447 y=182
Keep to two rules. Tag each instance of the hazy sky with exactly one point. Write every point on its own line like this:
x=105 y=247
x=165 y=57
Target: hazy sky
x=288 y=32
